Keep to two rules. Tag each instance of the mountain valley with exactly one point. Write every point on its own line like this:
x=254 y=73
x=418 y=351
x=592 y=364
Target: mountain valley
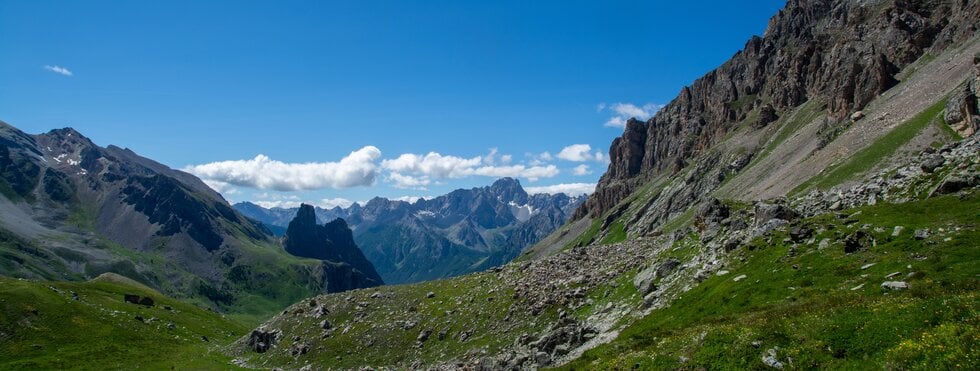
x=812 y=203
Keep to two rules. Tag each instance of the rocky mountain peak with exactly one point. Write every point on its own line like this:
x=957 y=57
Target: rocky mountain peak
x=509 y=190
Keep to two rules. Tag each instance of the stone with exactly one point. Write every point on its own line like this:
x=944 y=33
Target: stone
x=325 y=325
x=799 y=233
x=955 y=183
x=859 y=240
x=542 y=359
x=130 y=298
x=739 y=278
x=767 y=114
x=430 y=295
x=921 y=234
x=770 y=360
x=765 y=212
x=932 y=163
x=423 y=336
x=897 y=231
x=769 y=226
x=961 y=105
x=146 y=301
x=857 y=115
x=824 y=243
x=300 y=349
x=260 y=340
x=895 y=285
x=866 y=266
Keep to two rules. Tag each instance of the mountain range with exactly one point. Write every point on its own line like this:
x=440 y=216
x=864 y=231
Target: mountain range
x=465 y=231
x=71 y=210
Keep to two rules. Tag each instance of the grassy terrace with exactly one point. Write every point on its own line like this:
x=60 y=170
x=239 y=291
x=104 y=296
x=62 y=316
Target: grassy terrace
x=42 y=326
x=822 y=308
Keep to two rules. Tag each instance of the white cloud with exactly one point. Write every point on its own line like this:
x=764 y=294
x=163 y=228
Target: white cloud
x=359 y=168
x=432 y=164
x=330 y=203
x=59 y=70
x=408 y=181
x=582 y=169
x=411 y=170
x=581 y=153
x=278 y=203
x=571 y=189
x=624 y=111
x=576 y=152
x=539 y=159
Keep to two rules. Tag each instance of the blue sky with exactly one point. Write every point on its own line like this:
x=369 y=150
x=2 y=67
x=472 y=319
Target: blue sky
x=330 y=102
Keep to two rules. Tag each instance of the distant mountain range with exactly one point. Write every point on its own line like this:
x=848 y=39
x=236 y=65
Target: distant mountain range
x=71 y=210
x=464 y=231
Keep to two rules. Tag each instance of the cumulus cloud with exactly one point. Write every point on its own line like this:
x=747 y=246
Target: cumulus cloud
x=582 y=169
x=408 y=181
x=621 y=112
x=576 y=152
x=59 y=70
x=285 y=204
x=580 y=153
x=411 y=170
x=432 y=164
x=330 y=203
x=571 y=189
x=359 y=168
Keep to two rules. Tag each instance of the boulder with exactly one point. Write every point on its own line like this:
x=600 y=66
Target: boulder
x=956 y=183
x=261 y=340
x=768 y=227
x=767 y=114
x=770 y=360
x=764 y=212
x=130 y=298
x=542 y=359
x=147 y=301
x=424 y=335
x=895 y=285
x=859 y=240
x=932 y=163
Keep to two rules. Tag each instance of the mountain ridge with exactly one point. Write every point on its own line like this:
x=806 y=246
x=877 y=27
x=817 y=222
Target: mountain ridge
x=464 y=231
x=74 y=210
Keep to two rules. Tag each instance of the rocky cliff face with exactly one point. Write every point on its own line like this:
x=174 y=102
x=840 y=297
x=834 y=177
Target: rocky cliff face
x=332 y=242
x=841 y=53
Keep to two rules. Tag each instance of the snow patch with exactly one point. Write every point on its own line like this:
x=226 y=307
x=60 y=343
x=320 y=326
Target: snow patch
x=521 y=212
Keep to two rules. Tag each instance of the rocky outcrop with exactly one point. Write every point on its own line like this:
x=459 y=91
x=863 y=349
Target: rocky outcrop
x=332 y=242
x=961 y=111
x=829 y=50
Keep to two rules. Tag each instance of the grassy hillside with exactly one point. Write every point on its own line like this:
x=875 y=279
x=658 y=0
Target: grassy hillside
x=88 y=325
x=821 y=307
